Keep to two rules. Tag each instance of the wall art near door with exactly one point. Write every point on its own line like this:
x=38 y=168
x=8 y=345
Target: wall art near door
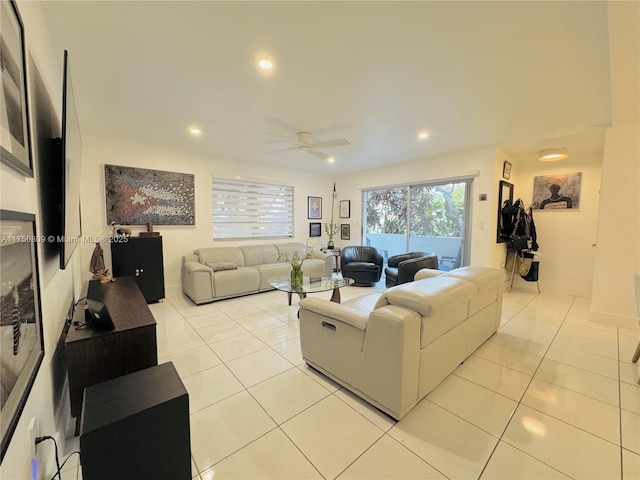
x=21 y=345
x=345 y=208
x=135 y=196
x=557 y=192
x=345 y=231
x=14 y=130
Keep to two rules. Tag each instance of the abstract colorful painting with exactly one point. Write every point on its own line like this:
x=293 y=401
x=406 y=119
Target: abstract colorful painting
x=135 y=196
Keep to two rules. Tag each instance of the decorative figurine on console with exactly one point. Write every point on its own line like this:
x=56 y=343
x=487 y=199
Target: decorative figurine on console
x=97 y=266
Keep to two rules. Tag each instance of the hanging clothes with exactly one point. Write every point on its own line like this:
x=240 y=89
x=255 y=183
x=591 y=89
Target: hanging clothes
x=530 y=230
x=507 y=220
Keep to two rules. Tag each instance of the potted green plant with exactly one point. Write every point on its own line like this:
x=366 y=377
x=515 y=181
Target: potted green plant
x=295 y=261
x=331 y=229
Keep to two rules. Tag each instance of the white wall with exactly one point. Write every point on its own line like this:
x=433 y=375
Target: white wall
x=618 y=250
x=617 y=256
x=475 y=162
x=21 y=194
x=181 y=240
x=565 y=236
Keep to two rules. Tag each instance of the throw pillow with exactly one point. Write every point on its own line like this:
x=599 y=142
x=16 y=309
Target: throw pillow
x=220 y=266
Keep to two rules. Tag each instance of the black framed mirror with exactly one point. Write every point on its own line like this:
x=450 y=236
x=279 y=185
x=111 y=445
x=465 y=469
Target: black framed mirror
x=505 y=193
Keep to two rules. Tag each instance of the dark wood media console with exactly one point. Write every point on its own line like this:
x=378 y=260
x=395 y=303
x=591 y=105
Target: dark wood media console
x=94 y=356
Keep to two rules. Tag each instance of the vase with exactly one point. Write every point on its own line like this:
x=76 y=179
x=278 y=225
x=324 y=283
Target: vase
x=296 y=276
x=330 y=244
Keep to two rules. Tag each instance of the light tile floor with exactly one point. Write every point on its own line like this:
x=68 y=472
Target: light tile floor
x=551 y=395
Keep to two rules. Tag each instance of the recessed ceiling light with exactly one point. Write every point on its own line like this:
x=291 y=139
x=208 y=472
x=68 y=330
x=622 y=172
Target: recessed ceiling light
x=195 y=131
x=423 y=135
x=331 y=159
x=553 y=154
x=265 y=64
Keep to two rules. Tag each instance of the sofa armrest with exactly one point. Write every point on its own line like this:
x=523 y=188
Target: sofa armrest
x=190 y=258
x=427 y=273
x=328 y=261
x=196 y=267
x=408 y=268
x=357 y=318
x=197 y=282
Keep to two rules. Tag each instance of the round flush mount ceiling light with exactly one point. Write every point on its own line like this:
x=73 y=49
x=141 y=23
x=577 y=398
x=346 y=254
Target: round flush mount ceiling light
x=553 y=154
x=195 y=131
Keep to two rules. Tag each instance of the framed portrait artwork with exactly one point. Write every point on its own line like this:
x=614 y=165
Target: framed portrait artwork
x=22 y=348
x=314 y=207
x=315 y=229
x=345 y=208
x=345 y=231
x=15 y=134
x=557 y=192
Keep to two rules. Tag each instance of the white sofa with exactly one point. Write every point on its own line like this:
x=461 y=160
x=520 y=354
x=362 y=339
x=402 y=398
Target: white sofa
x=205 y=279
x=393 y=348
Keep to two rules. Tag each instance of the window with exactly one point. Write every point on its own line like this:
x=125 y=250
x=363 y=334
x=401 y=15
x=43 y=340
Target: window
x=244 y=209
x=429 y=217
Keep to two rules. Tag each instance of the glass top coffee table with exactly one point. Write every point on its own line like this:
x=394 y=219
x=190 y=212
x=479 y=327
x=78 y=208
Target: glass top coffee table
x=312 y=285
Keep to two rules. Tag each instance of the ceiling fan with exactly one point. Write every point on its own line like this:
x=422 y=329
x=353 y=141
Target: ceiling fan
x=305 y=144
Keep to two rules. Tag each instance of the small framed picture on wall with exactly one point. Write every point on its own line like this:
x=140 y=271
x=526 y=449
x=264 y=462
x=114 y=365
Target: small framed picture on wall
x=315 y=229
x=345 y=208
x=345 y=231
x=314 y=207
x=506 y=170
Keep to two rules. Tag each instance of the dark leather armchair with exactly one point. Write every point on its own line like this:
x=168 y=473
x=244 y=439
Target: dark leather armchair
x=402 y=268
x=362 y=263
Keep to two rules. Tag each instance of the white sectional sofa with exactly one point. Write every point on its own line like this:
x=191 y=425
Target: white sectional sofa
x=393 y=348
x=216 y=273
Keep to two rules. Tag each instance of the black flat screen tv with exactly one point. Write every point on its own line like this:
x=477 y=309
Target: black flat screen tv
x=70 y=148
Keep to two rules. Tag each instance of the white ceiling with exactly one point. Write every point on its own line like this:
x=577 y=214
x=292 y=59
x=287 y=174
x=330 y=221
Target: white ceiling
x=515 y=75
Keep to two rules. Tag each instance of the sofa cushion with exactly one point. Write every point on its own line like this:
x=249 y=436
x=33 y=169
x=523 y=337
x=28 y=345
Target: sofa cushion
x=271 y=270
x=429 y=295
x=229 y=283
x=286 y=250
x=486 y=279
x=220 y=254
x=220 y=266
x=427 y=273
x=259 y=254
x=442 y=302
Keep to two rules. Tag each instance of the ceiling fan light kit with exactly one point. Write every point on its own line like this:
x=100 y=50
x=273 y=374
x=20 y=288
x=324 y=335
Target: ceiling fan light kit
x=553 y=154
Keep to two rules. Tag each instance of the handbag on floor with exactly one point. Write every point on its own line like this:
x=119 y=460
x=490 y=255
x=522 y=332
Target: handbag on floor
x=532 y=274
x=523 y=265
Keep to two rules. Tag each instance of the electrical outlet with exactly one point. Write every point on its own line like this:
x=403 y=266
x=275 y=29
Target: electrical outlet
x=33 y=433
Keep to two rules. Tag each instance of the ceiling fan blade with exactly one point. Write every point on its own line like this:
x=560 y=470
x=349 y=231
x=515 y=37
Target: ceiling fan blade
x=339 y=142
x=318 y=154
x=282 y=150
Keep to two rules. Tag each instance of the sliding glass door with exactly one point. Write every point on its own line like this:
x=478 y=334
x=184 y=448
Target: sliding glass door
x=429 y=217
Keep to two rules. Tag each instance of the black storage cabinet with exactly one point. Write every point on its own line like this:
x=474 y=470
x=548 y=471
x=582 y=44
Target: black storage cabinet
x=140 y=258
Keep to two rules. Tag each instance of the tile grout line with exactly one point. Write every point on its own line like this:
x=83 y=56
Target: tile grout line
x=500 y=439
x=620 y=405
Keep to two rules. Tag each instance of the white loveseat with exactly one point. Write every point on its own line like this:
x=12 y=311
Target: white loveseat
x=216 y=273
x=393 y=348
